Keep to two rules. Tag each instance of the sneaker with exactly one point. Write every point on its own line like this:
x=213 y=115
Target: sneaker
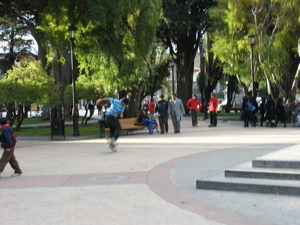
x=16 y=174
x=112 y=145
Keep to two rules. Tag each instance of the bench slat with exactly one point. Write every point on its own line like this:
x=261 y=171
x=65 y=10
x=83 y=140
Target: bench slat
x=127 y=124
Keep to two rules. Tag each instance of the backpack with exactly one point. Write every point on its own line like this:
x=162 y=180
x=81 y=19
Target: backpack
x=15 y=138
x=250 y=107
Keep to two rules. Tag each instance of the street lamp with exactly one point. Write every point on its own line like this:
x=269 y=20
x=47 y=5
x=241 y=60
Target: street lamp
x=203 y=55
x=75 y=113
x=251 y=41
x=172 y=65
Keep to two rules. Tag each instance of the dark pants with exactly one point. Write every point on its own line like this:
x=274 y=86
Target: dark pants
x=163 y=124
x=262 y=118
x=9 y=157
x=194 y=114
x=114 y=126
x=213 y=118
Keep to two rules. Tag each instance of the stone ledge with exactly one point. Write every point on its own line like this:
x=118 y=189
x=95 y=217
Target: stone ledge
x=250 y=185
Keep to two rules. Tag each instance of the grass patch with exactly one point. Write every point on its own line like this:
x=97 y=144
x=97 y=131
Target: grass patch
x=92 y=129
x=222 y=114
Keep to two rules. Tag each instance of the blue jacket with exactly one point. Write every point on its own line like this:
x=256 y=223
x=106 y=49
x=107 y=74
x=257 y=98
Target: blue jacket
x=162 y=108
x=7 y=140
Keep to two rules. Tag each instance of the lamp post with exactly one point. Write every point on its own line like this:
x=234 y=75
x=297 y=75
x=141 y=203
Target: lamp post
x=251 y=41
x=75 y=113
x=203 y=55
x=173 y=85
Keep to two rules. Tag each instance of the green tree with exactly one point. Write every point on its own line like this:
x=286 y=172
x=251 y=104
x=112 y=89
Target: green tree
x=13 y=41
x=275 y=24
x=27 y=83
x=181 y=29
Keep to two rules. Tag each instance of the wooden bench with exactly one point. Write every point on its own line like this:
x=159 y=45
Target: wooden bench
x=126 y=124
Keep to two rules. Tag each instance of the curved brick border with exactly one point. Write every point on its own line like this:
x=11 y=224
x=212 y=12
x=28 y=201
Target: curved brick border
x=160 y=183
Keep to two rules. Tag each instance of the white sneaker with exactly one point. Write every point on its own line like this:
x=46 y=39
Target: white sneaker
x=16 y=174
x=112 y=145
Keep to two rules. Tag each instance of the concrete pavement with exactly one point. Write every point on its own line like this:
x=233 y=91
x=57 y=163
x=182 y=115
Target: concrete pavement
x=150 y=180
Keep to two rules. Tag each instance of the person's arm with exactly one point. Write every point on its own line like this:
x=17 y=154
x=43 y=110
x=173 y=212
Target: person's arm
x=200 y=105
x=182 y=108
x=102 y=100
x=188 y=105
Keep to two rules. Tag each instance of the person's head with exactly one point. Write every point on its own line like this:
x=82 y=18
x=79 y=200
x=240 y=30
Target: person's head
x=212 y=95
x=143 y=112
x=162 y=97
x=174 y=96
x=3 y=121
x=125 y=101
x=245 y=98
x=194 y=96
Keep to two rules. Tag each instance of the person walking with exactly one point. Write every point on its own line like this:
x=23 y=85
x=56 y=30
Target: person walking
x=297 y=114
x=270 y=111
x=194 y=105
x=161 y=110
x=262 y=110
x=111 y=119
x=151 y=109
x=8 y=144
x=253 y=109
x=176 y=109
x=244 y=112
x=280 y=112
x=213 y=107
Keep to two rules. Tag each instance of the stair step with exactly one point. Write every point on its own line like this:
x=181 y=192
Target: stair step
x=256 y=173
x=288 y=158
x=222 y=183
x=259 y=163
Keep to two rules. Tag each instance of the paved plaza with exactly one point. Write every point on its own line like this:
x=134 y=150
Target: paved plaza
x=150 y=180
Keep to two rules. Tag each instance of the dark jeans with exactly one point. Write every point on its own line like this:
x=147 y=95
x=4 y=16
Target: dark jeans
x=194 y=114
x=9 y=157
x=114 y=126
x=213 y=118
x=163 y=124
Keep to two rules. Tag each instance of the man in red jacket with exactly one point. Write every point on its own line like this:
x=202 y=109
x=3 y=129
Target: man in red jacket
x=194 y=105
x=8 y=145
x=213 y=107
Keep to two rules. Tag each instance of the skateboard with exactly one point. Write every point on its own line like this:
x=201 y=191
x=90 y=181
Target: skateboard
x=112 y=148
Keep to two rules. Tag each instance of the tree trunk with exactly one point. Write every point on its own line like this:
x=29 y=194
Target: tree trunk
x=185 y=84
x=291 y=99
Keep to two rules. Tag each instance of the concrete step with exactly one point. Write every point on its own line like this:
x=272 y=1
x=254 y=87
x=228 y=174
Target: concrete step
x=274 y=173
x=288 y=158
x=267 y=186
x=259 y=173
x=261 y=163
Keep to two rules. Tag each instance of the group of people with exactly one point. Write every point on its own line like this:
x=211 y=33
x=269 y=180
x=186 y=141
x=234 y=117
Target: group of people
x=175 y=109
x=163 y=109
x=270 y=111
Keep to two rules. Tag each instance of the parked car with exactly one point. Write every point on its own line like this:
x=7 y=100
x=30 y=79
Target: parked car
x=236 y=106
